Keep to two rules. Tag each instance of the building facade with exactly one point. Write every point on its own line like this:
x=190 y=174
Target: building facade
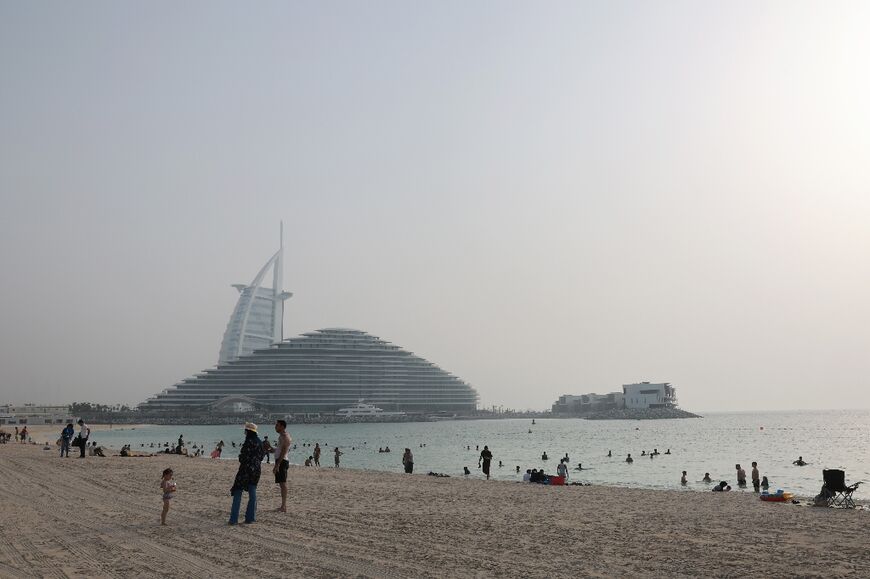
x=587 y=403
x=646 y=395
x=258 y=318
x=33 y=414
x=320 y=372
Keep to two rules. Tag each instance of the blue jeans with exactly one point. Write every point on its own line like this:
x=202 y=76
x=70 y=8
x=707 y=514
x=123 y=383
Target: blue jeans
x=64 y=446
x=250 y=512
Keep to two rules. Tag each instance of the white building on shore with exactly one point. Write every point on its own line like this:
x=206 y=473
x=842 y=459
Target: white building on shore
x=646 y=395
x=33 y=414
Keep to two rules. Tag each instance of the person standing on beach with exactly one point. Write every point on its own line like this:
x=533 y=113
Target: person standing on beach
x=338 y=453
x=408 y=461
x=485 y=460
x=168 y=486
x=268 y=448
x=66 y=438
x=756 y=478
x=282 y=464
x=248 y=476
x=316 y=454
x=562 y=469
x=84 y=434
x=741 y=476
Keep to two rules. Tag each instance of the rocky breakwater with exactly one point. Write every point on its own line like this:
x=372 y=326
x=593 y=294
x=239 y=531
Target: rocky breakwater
x=641 y=414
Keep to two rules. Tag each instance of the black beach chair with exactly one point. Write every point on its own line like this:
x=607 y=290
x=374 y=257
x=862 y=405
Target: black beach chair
x=835 y=489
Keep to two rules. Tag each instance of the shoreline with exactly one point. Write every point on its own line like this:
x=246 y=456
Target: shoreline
x=373 y=524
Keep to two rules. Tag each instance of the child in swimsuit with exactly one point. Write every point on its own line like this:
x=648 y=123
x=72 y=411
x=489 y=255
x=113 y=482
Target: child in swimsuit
x=168 y=486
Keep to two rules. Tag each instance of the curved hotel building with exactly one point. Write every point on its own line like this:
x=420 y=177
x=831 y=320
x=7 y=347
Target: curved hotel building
x=318 y=372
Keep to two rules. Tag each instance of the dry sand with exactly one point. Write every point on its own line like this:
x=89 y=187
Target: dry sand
x=99 y=517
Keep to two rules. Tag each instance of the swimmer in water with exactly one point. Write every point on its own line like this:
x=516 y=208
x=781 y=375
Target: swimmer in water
x=706 y=478
x=629 y=459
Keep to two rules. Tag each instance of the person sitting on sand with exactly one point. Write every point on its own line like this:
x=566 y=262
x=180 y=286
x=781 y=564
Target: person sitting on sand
x=309 y=460
x=629 y=459
x=721 y=487
x=683 y=480
x=528 y=476
x=799 y=462
x=706 y=478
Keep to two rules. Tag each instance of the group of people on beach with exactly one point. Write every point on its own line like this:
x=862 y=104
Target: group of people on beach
x=21 y=436
x=759 y=482
x=80 y=441
x=251 y=455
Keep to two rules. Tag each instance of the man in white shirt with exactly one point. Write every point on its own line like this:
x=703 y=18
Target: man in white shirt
x=562 y=469
x=84 y=434
x=282 y=448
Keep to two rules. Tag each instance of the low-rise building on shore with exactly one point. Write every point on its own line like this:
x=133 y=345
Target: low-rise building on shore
x=34 y=414
x=638 y=396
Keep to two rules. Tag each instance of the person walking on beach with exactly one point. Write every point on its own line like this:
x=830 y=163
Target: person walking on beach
x=408 y=461
x=24 y=435
x=485 y=460
x=316 y=454
x=756 y=478
x=84 y=434
x=338 y=453
x=248 y=476
x=168 y=486
x=282 y=464
x=66 y=438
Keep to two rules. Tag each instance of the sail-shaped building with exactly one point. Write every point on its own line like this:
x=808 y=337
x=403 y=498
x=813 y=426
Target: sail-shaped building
x=317 y=372
x=258 y=318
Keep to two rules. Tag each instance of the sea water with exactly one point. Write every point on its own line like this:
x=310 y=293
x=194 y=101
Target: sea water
x=714 y=444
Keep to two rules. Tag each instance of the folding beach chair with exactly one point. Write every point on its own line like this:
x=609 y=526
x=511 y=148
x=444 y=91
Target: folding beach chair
x=838 y=494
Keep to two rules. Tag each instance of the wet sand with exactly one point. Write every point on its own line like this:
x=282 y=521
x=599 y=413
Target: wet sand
x=99 y=517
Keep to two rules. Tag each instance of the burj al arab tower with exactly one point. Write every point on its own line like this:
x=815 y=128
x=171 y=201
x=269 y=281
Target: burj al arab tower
x=316 y=372
x=258 y=318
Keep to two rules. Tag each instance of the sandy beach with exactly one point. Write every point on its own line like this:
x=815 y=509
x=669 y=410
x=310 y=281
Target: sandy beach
x=99 y=517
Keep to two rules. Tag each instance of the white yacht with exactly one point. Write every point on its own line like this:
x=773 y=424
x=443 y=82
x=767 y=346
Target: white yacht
x=361 y=408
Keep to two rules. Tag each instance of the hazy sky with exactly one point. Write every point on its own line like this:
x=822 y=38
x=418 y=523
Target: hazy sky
x=542 y=198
